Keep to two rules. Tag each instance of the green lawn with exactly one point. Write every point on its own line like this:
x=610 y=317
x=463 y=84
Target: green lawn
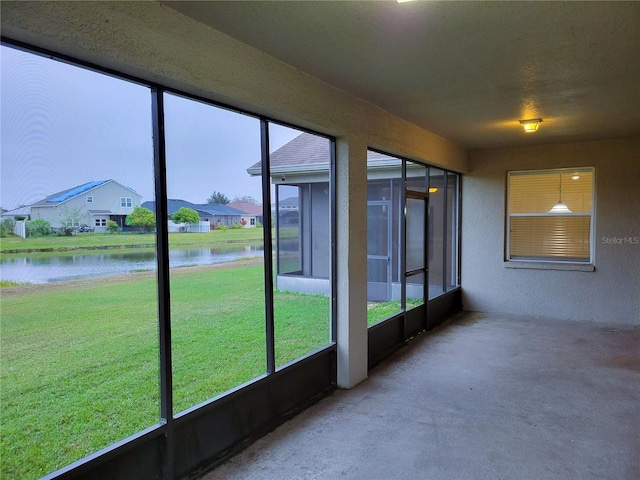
x=15 y=244
x=79 y=360
x=383 y=310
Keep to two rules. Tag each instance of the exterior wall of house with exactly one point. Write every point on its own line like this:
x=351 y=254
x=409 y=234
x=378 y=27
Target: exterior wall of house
x=320 y=230
x=107 y=197
x=249 y=221
x=50 y=214
x=610 y=293
x=57 y=213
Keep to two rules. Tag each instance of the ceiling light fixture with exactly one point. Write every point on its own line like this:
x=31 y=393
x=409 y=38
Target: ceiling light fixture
x=575 y=176
x=531 y=125
x=433 y=189
x=560 y=207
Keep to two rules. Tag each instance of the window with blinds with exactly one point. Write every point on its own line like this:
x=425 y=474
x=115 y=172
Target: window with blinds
x=549 y=215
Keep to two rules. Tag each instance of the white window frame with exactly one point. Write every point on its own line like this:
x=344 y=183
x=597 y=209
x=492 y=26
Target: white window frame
x=550 y=263
x=126 y=202
x=89 y=198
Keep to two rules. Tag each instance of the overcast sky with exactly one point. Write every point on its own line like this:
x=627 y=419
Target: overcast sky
x=62 y=126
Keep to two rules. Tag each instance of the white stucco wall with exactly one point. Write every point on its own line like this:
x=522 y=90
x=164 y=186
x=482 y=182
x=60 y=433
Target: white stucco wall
x=611 y=293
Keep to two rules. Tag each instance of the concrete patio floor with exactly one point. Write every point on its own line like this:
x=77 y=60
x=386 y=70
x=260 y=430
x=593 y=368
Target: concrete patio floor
x=482 y=397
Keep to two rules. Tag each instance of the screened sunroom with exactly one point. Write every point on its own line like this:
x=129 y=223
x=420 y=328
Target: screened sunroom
x=412 y=225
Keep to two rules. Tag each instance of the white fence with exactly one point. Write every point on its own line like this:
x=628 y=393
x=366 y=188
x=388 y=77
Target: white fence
x=200 y=227
x=20 y=229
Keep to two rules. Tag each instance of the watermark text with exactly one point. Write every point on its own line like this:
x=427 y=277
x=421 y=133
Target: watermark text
x=621 y=240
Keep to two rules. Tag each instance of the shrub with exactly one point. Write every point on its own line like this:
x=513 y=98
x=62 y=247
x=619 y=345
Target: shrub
x=185 y=215
x=222 y=227
x=236 y=226
x=141 y=217
x=6 y=227
x=112 y=227
x=38 y=227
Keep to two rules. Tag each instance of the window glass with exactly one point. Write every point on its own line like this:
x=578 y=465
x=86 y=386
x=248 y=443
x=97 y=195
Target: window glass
x=79 y=325
x=216 y=265
x=300 y=204
x=416 y=233
x=384 y=217
x=288 y=229
x=436 y=232
x=549 y=215
x=415 y=251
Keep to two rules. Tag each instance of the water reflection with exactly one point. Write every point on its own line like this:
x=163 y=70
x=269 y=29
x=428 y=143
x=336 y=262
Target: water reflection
x=55 y=268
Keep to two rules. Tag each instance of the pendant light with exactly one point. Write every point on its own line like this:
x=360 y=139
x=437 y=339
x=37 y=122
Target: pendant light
x=560 y=207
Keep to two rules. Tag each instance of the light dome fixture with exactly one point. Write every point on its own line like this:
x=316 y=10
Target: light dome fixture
x=531 y=125
x=560 y=207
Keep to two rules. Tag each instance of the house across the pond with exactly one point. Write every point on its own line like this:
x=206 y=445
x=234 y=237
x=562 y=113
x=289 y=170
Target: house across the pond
x=252 y=213
x=215 y=214
x=91 y=204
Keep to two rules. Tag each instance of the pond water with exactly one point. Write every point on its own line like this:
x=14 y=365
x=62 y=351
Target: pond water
x=39 y=268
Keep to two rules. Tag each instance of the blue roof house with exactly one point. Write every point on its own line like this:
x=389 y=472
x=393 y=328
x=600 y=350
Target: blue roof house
x=91 y=204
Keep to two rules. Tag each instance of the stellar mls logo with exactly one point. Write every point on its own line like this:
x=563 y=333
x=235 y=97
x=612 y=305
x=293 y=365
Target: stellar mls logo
x=621 y=240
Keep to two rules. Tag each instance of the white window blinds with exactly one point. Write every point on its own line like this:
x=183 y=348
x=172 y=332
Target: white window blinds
x=537 y=230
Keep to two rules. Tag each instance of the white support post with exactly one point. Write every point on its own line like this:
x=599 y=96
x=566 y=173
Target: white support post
x=351 y=212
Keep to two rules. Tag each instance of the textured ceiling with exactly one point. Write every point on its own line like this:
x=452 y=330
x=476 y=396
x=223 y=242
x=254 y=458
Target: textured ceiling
x=465 y=70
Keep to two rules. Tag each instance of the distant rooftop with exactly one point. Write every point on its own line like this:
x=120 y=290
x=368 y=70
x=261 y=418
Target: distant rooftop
x=247 y=207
